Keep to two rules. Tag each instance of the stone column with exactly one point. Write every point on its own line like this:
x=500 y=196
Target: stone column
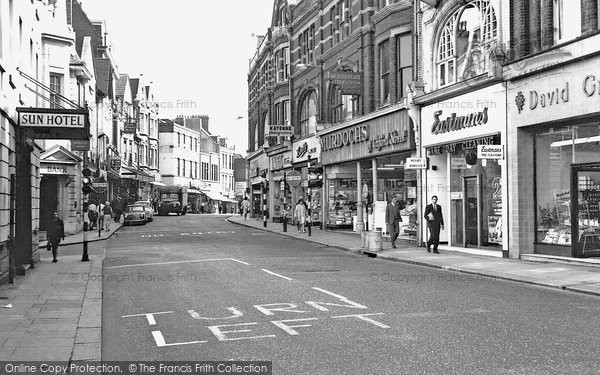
x=547 y=24
x=535 y=27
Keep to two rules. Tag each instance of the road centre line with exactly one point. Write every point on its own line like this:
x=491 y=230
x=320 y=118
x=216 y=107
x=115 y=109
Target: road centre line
x=176 y=262
x=276 y=274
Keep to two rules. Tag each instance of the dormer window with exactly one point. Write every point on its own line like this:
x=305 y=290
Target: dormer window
x=465 y=41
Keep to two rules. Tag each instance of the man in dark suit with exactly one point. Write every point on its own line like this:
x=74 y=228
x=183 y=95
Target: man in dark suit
x=392 y=219
x=56 y=232
x=435 y=220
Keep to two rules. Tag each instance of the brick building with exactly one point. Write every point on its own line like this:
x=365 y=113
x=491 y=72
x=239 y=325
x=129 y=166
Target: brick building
x=345 y=79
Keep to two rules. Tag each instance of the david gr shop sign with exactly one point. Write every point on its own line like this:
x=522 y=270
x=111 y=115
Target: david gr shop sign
x=48 y=123
x=569 y=91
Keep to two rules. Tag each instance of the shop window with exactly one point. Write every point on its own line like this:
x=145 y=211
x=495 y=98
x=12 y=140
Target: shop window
x=384 y=73
x=556 y=150
x=308 y=114
x=56 y=89
x=567 y=20
x=343 y=107
x=465 y=41
x=404 y=64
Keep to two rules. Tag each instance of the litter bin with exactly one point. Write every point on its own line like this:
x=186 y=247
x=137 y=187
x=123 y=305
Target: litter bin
x=374 y=240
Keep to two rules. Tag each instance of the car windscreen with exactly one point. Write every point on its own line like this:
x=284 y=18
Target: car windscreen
x=135 y=208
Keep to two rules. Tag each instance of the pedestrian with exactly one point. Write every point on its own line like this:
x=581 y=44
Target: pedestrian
x=115 y=206
x=202 y=207
x=220 y=208
x=108 y=214
x=245 y=207
x=435 y=220
x=392 y=219
x=56 y=232
x=300 y=215
x=92 y=215
x=100 y=215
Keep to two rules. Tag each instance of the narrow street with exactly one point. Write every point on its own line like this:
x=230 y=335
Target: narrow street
x=197 y=287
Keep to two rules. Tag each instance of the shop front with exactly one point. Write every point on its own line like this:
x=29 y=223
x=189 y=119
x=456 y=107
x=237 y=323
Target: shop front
x=555 y=115
x=306 y=161
x=279 y=199
x=359 y=153
x=259 y=184
x=464 y=141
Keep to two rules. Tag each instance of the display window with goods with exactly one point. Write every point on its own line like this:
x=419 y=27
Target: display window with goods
x=567 y=189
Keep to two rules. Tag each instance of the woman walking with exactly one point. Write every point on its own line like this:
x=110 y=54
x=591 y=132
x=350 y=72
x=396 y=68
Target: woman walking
x=108 y=214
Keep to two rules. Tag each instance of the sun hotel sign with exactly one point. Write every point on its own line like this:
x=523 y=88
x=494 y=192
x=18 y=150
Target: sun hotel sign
x=47 y=123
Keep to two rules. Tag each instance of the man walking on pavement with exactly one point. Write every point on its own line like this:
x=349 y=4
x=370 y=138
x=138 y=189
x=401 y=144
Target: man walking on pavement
x=55 y=234
x=245 y=207
x=435 y=220
x=392 y=219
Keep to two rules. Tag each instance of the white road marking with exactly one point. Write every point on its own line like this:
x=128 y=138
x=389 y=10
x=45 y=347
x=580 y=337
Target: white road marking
x=151 y=235
x=276 y=274
x=364 y=317
x=349 y=303
x=288 y=328
x=236 y=314
x=220 y=334
x=149 y=316
x=265 y=309
x=177 y=262
x=239 y=261
x=160 y=340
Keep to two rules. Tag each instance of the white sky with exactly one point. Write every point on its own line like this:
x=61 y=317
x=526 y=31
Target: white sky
x=195 y=51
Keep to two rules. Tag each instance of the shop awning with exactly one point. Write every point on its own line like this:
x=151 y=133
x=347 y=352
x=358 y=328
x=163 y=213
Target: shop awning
x=212 y=195
x=194 y=191
x=156 y=183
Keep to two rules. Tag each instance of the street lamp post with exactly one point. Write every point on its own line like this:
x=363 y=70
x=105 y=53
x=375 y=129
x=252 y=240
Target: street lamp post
x=284 y=203
x=309 y=203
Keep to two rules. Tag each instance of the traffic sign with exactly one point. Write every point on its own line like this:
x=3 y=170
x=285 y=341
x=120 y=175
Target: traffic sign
x=99 y=185
x=293 y=178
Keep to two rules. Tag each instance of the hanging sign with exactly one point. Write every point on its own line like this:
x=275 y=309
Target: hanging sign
x=51 y=123
x=415 y=163
x=490 y=152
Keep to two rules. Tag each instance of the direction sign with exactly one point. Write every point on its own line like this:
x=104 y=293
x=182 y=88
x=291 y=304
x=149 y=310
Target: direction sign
x=99 y=185
x=293 y=178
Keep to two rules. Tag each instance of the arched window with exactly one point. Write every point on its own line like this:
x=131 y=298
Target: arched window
x=464 y=43
x=308 y=114
x=343 y=107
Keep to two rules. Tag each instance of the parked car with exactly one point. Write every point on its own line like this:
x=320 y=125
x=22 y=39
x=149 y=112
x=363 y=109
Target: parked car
x=149 y=208
x=168 y=206
x=135 y=214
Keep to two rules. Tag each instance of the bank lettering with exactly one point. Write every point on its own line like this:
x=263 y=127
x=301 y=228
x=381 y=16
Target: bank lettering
x=454 y=122
x=347 y=137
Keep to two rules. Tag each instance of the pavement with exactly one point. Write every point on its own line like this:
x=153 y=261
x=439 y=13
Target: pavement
x=581 y=276
x=54 y=312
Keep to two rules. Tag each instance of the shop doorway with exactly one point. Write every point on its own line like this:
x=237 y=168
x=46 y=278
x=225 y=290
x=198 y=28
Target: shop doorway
x=471 y=211
x=585 y=210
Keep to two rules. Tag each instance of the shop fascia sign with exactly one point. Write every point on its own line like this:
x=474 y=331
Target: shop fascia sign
x=454 y=122
x=457 y=146
x=349 y=83
x=360 y=134
x=51 y=123
x=305 y=148
x=281 y=161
